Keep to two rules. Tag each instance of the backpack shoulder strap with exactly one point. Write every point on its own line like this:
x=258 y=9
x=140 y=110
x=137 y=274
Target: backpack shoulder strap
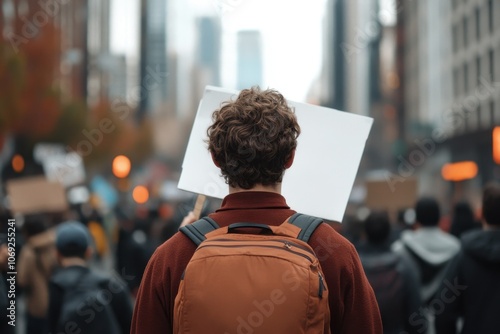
x=307 y=224
x=197 y=230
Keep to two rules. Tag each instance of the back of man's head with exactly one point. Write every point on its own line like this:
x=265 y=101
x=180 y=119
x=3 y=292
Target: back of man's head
x=377 y=227
x=253 y=138
x=491 y=204
x=72 y=240
x=427 y=212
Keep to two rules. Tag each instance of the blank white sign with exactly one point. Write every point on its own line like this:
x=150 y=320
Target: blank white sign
x=327 y=158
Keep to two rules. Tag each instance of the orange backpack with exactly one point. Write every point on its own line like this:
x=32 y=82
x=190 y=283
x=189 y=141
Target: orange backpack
x=247 y=283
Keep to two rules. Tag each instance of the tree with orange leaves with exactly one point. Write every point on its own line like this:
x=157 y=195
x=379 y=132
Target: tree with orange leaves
x=30 y=103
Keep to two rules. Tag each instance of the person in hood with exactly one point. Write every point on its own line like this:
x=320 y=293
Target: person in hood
x=429 y=250
x=427 y=247
x=470 y=289
x=393 y=280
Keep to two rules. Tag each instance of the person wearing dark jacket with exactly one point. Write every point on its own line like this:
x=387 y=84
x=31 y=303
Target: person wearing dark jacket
x=393 y=280
x=463 y=219
x=470 y=289
x=429 y=250
x=81 y=300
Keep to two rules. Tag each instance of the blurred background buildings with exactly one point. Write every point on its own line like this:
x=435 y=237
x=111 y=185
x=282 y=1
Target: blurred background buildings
x=427 y=71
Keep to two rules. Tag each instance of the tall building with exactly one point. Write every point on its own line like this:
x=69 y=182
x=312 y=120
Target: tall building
x=206 y=66
x=100 y=61
x=72 y=20
x=475 y=64
x=84 y=29
x=350 y=79
x=249 y=61
x=334 y=70
x=209 y=48
x=153 y=55
x=451 y=102
x=117 y=77
x=350 y=76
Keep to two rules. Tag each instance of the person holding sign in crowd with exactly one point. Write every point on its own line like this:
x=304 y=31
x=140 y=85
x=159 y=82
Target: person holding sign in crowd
x=253 y=140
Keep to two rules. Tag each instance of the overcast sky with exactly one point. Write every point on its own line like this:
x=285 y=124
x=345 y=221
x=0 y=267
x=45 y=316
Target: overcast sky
x=291 y=30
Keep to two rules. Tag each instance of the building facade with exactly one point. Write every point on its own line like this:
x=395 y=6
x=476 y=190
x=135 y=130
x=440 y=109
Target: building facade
x=449 y=53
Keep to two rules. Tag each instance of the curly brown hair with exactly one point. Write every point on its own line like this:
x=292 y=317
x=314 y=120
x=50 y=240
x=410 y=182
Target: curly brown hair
x=252 y=138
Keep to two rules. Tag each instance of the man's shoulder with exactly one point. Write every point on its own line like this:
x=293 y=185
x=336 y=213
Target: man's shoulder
x=177 y=248
x=329 y=245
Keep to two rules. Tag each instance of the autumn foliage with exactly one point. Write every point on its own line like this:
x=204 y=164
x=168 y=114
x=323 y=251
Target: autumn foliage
x=33 y=107
x=29 y=96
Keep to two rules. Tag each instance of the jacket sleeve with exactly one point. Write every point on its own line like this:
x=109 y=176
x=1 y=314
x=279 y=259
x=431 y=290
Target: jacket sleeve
x=121 y=304
x=446 y=321
x=359 y=302
x=151 y=314
x=351 y=296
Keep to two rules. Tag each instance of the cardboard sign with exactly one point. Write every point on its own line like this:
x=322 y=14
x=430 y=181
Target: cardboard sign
x=327 y=158
x=36 y=195
x=380 y=196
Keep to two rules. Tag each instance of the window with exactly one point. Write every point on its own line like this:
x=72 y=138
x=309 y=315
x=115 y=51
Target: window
x=455 y=38
x=456 y=91
x=490 y=15
x=491 y=57
x=478 y=70
x=478 y=24
x=466 y=78
x=479 y=118
x=492 y=112
x=465 y=31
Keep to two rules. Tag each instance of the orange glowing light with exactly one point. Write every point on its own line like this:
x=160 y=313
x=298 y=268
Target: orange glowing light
x=18 y=163
x=459 y=171
x=496 y=144
x=121 y=166
x=140 y=194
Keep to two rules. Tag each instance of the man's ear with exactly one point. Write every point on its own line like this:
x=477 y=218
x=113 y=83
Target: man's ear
x=289 y=162
x=215 y=161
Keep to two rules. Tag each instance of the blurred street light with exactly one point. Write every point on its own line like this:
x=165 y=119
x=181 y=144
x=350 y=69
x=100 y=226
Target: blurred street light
x=121 y=166
x=140 y=194
x=496 y=144
x=459 y=171
x=18 y=163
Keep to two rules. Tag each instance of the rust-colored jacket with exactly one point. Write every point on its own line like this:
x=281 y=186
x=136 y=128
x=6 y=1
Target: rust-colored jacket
x=353 y=307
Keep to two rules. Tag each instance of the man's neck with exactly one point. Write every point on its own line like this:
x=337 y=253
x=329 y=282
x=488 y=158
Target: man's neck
x=276 y=188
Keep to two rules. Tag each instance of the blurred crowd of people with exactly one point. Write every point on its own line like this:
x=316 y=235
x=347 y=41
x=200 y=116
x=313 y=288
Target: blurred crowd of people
x=88 y=250
x=433 y=277
x=428 y=276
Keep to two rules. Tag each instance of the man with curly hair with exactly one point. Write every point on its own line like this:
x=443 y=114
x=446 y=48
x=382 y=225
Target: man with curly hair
x=253 y=140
